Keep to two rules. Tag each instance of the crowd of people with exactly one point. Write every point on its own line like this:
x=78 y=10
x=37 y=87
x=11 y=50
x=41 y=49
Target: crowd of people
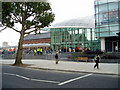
x=8 y=51
x=43 y=50
x=37 y=51
x=34 y=51
x=71 y=49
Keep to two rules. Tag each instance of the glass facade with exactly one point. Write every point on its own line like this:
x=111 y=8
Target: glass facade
x=107 y=20
x=69 y=37
x=107 y=17
x=78 y=33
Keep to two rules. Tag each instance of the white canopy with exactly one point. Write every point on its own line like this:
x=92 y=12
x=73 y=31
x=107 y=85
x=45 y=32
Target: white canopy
x=37 y=45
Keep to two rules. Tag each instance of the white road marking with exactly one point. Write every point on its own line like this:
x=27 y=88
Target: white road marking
x=30 y=78
x=9 y=74
x=62 y=83
x=45 y=81
x=22 y=77
x=68 y=81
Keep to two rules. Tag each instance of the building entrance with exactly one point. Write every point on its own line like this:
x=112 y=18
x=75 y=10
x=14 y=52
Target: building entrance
x=114 y=46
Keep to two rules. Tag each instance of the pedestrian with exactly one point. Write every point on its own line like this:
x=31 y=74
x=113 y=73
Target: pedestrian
x=97 y=60
x=56 y=58
x=35 y=52
x=38 y=51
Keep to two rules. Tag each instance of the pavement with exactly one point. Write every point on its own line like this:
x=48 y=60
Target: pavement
x=69 y=66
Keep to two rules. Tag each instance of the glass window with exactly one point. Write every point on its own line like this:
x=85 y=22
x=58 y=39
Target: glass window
x=76 y=31
x=80 y=31
x=104 y=34
x=114 y=24
x=119 y=5
x=97 y=30
x=113 y=33
x=113 y=17
x=96 y=18
x=88 y=34
x=98 y=24
x=112 y=28
x=97 y=34
x=103 y=7
x=112 y=0
x=93 y=35
x=96 y=2
x=104 y=18
x=104 y=29
x=113 y=5
x=103 y=26
x=102 y=1
x=97 y=9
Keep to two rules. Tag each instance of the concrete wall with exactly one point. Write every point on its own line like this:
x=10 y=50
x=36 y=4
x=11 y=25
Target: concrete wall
x=102 y=44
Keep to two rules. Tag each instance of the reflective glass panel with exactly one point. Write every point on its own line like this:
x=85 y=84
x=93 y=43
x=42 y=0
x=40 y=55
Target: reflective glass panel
x=103 y=8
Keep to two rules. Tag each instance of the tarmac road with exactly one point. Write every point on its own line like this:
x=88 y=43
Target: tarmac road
x=19 y=77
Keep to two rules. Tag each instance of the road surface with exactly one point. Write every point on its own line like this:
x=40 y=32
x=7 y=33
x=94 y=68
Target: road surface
x=20 y=77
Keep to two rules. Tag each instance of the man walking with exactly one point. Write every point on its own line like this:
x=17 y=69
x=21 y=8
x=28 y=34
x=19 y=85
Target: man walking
x=56 y=57
x=97 y=60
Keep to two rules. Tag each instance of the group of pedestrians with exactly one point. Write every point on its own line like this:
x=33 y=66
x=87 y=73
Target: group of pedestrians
x=8 y=51
x=38 y=51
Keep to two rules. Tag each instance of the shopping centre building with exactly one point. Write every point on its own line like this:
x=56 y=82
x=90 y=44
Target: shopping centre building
x=75 y=34
x=107 y=23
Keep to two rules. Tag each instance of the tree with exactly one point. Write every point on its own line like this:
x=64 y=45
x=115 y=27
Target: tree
x=32 y=16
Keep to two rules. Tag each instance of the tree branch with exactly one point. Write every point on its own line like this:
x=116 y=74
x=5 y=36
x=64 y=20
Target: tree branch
x=30 y=31
x=17 y=18
x=11 y=28
x=14 y=29
x=3 y=29
x=30 y=28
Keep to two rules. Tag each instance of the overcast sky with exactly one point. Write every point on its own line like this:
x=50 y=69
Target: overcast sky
x=63 y=10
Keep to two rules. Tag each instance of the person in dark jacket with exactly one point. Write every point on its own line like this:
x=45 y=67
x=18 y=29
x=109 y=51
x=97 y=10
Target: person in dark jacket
x=97 y=60
x=56 y=58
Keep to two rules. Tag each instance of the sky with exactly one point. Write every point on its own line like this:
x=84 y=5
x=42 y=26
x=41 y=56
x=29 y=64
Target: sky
x=63 y=10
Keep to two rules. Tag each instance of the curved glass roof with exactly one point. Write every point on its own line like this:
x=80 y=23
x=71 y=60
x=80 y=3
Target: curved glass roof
x=85 y=22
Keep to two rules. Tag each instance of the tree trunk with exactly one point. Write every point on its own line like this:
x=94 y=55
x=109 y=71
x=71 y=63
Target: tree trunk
x=18 y=60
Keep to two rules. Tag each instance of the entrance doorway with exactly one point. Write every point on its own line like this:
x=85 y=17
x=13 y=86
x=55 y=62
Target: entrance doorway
x=114 y=46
